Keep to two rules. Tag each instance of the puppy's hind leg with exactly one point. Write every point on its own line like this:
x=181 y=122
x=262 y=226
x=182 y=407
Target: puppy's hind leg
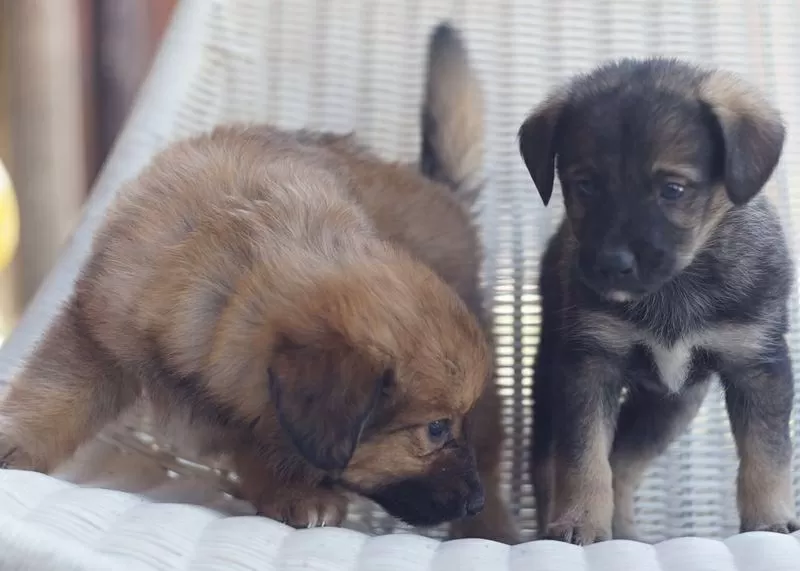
x=66 y=392
x=647 y=424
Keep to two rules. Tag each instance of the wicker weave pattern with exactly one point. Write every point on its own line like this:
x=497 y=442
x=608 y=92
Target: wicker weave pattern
x=358 y=64
x=48 y=524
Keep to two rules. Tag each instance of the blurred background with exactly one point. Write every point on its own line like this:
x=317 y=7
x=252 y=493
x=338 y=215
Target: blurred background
x=69 y=72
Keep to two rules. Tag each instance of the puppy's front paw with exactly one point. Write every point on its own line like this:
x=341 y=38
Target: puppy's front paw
x=317 y=508
x=782 y=526
x=577 y=532
x=584 y=517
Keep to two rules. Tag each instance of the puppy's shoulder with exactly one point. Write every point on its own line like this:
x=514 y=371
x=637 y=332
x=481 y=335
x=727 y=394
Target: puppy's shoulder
x=751 y=249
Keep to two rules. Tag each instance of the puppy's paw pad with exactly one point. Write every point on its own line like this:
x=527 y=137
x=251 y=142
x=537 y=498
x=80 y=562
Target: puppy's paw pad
x=577 y=533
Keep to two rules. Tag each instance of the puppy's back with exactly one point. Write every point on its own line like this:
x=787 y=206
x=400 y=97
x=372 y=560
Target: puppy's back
x=240 y=187
x=430 y=215
x=198 y=217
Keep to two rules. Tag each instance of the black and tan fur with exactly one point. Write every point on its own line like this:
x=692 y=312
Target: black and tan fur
x=315 y=310
x=670 y=265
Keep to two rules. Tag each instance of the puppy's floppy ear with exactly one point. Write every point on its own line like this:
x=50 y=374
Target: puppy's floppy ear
x=752 y=133
x=537 y=143
x=324 y=395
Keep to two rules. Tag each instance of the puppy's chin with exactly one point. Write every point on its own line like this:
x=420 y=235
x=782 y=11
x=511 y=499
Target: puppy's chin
x=624 y=293
x=620 y=296
x=419 y=502
x=625 y=296
x=616 y=293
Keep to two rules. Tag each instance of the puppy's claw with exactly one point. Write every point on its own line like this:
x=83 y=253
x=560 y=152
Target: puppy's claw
x=13 y=456
x=319 y=508
x=576 y=534
x=4 y=461
x=782 y=527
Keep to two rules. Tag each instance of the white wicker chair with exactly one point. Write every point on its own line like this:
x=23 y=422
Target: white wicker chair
x=357 y=65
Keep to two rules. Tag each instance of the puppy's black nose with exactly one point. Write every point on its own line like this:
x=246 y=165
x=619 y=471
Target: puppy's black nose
x=616 y=262
x=475 y=502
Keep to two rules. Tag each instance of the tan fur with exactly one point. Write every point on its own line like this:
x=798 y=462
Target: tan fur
x=253 y=257
x=583 y=504
x=729 y=96
x=764 y=494
x=453 y=117
x=673 y=166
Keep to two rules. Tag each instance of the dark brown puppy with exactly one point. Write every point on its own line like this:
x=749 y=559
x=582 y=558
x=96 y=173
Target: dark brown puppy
x=311 y=307
x=668 y=267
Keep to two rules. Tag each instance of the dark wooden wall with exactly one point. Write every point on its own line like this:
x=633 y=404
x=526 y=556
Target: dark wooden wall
x=69 y=74
x=120 y=39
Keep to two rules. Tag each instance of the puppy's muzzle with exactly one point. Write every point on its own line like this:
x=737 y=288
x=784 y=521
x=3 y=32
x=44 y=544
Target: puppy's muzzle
x=616 y=264
x=612 y=269
x=422 y=502
x=450 y=490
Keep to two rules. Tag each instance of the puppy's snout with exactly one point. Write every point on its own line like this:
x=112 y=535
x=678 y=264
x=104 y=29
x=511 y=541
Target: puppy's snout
x=450 y=489
x=616 y=263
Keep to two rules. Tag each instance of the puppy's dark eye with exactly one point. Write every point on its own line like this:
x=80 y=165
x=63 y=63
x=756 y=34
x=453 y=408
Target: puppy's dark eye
x=439 y=430
x=672 y=191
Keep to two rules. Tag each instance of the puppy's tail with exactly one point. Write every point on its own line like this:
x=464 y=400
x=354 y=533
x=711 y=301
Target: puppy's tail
x=452 y=117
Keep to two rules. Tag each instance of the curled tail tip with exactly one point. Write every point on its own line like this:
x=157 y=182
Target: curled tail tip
x=445 y=38
x=447 y=53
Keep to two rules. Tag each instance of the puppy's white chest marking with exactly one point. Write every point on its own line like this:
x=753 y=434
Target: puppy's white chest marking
x=734 y=342
x=673 y=362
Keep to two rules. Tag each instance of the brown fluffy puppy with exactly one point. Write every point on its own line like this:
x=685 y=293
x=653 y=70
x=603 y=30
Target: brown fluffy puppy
x=308 y=304
x=669 y=268
x=243 y=276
